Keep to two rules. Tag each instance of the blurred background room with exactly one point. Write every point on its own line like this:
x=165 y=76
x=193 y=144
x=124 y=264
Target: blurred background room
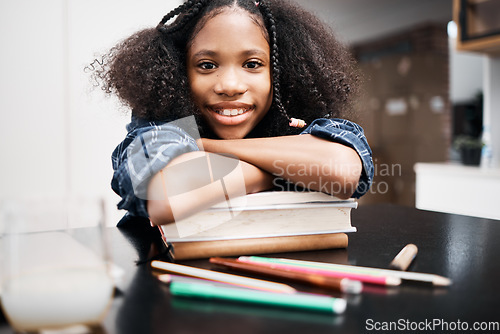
x=431 y=71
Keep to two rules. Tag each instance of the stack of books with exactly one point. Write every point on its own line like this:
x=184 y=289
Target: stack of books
x=263 y=223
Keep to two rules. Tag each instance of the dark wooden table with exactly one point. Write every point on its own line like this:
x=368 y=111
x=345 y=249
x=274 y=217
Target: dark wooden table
x=465 y=249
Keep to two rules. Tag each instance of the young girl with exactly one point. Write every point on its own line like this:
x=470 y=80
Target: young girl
x=252 y=73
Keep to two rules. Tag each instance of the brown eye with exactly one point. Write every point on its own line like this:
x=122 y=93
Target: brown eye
x=207 y=66
x=253 y=65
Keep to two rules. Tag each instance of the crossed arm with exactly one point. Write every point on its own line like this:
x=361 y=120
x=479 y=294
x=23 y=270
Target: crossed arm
x=306 y=160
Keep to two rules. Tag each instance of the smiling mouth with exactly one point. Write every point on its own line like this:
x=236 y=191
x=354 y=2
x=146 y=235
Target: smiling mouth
x=231 y=112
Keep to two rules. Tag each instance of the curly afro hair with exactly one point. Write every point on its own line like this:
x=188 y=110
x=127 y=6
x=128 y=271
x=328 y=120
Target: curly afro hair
x=313 y=74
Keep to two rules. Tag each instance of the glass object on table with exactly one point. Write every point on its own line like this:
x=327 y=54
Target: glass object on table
x=54 y=263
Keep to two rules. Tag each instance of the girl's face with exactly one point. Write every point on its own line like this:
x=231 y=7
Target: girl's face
x=229 y=72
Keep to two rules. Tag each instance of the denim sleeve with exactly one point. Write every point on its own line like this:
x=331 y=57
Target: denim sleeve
x=352 y=135
x=144 y=152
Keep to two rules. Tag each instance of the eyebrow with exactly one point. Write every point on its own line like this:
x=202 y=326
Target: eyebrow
x=246 y=53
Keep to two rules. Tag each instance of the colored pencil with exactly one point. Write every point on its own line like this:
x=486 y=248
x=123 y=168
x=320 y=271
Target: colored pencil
x=332 y=283
x=350 y=269
x=404 y=258
x=170 y=278
x=297 y=300
x=385 y=280
x=222 y=277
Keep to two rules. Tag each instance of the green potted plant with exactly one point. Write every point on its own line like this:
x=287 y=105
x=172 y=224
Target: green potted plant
x=469 y=148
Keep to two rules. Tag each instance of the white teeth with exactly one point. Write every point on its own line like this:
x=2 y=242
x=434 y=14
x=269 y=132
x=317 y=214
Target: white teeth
x=231 y=112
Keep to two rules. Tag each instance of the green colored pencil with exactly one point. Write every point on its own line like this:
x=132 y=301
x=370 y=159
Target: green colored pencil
x=303 y=301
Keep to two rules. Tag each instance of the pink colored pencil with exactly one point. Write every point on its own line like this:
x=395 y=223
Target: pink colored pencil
x=365 y=278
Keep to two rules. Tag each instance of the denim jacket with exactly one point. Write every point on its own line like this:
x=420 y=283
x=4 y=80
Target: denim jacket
x=149 y=147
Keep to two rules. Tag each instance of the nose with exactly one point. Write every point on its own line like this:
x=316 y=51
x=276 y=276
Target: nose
x=230 y=83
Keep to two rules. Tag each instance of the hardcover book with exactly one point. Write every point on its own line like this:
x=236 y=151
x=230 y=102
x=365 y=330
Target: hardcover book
x=266 y=222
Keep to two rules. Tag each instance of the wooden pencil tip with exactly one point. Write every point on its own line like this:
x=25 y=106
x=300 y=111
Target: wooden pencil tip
x=351 y=286
x=393 y=281
x=165 y=278
x=441 y=281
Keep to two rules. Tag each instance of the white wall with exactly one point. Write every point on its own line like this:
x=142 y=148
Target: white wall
x=56 y=133
x=466 y=74
x=491 y=113
x=32 y=97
